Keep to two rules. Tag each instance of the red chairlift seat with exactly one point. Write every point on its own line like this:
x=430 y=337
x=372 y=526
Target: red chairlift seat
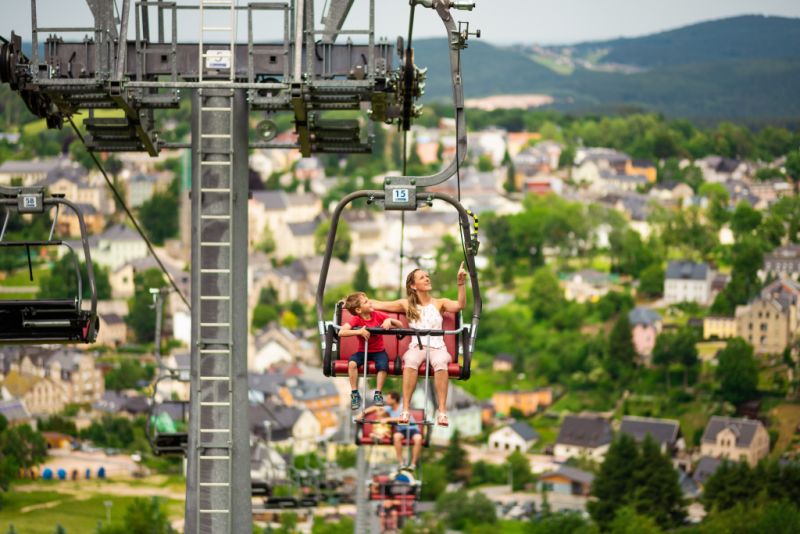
x=364 y=435
x=338 y=350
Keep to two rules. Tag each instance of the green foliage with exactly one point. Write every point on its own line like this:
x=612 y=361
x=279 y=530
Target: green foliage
x=621 y=353
x=737 y=371
x=345 y=457
x=267 y=243
x=520 y=468
x=128 y=375
x=361 y=277
x=344 y=526
x=21 y=447
x=342 y=243
x=651 y=281
x=436 y=479
x=159 y=215
x=113 y=432
x=486 y=473
x=628 y=521
x=640 y=477
x=678 y=347
x=58 y=423
x=747 y=517
x=62 y=281
x=142 y=313
x=455 y=460
x=485 y=163
x=561 y=523
x=460 y=510
x=546 y=297
x=143 y=516
x=629 y=254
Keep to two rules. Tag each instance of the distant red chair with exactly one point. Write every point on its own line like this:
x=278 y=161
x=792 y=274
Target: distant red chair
x=364 y=435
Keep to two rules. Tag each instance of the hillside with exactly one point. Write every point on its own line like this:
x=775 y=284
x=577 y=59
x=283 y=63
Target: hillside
x=707 y=72
x=739 y=38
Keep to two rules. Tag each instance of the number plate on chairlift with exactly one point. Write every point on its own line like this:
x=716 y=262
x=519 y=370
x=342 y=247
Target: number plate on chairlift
x=30 y=203
x=218 y=59
x=401 y=197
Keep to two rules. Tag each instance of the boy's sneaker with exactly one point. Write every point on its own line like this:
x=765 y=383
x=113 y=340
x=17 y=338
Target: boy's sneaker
x=355 y=401
x=378 y=399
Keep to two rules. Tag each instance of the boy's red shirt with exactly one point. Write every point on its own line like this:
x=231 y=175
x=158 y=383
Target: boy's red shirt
x=375 y=321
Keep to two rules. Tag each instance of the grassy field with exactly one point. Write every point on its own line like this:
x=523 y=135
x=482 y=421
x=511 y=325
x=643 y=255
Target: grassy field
x=558 y=68
x=21 y=277
x=788 y=418
x=36 y=508
x=37 y=127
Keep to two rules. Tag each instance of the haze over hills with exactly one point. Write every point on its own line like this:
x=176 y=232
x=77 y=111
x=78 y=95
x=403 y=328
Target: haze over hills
x=743 y=68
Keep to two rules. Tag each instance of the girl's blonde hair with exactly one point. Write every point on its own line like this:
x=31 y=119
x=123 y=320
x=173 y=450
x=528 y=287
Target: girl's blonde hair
x=413 y=298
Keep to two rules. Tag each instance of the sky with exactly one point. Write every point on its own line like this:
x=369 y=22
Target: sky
x=500 y=21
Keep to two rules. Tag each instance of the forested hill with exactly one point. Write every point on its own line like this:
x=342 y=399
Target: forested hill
x=738 y=38
x=746 y=68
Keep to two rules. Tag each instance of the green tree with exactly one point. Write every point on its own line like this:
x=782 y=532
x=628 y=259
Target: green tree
x=485 y=163
x=128 y=375
x=628 y=521
x=651 y=281
x=460 y=510
x=61 y=282
x=361 y=277
x=546 y=296
x=745 y=220
x=143 y=516
x=561 y=523
x=677 y=347
x=656 y=491
x=60 y=530
x=142 y=313
x=737 y=371
x=267 y=242
x=436 y=479
x=342 y=243
x=345 y=525
x=613 y=485
x=731 y=483
x=621 y=353
x=793 y=168
x=455 y=460
x=159 y=216
x=520 y=468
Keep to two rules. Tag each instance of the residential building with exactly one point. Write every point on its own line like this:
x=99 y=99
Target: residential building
x=543 y=185
x=609 y=181
x=686 y=281
x=527 y=402
x=675 y=193
x=366 y=231
x=116 y=246
x=719 y=327
x=298 y=281
x=285 y=426
x=518 y=436
x=141 y=188
x=266 y=464
x=646 y=324
x=321 y=398
x=642 y=167
x=566 y=481
x=706 y=466
x=503 y=363
x=72 y=181
x=717 y=169
x=298 y=241
x=113 y=330
x=744 y=440
x=586 y=285
x=15 y=411
x=583 y=436
x=783 y=262
x=41 y=396
x=665 y=432
x=72 y=372
x=69 y=225
x=591 y=162
x=28 y=173
x=770 y=321
x=463 y=411
x=276 y=345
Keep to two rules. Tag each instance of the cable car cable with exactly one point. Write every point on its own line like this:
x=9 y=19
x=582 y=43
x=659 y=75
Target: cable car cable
x=130 y=216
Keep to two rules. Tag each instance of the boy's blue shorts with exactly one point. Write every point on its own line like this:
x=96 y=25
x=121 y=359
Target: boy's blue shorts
x=381 y=359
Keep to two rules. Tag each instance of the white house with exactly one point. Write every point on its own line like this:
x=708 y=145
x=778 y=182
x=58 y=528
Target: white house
x=583 y=436
x=686 y=281
x=28 y=172
x=463 y=412
x=516 y=437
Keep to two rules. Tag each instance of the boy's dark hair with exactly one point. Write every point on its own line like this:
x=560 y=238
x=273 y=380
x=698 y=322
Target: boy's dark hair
x=353 y=301
x=395 y=395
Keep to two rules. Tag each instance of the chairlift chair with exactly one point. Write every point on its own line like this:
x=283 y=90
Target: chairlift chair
x=364 y=428
x=44 y=321
x=172 y=441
